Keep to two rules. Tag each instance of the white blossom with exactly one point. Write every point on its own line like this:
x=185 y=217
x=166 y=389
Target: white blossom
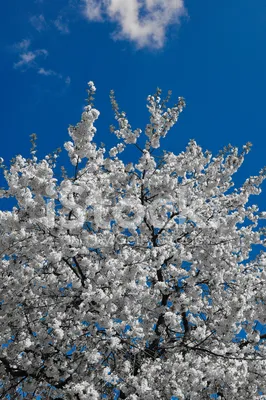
x=137 y=277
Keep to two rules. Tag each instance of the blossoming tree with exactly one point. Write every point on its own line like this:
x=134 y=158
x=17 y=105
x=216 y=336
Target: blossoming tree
x=131 y=280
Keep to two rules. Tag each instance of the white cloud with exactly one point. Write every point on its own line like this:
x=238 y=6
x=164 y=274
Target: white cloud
x=23 y=45
x=27 y=58
x=144 y=22
x=93 y=10
x=39 y=23
x=61 y=25
x=49 y=72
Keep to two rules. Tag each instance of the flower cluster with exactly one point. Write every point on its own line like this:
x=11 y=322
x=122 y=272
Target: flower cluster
x=136 y=278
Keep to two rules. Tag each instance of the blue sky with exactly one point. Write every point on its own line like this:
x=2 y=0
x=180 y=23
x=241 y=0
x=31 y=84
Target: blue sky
x=210 y=52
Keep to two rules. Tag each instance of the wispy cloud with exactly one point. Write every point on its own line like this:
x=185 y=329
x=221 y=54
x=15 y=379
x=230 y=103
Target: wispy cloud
x=30 y=59
x=39 y=22
x=61 y=25
x=144 y=22
x=27 y=58
x=94 y=10
x=49 y=72
x=23 y=45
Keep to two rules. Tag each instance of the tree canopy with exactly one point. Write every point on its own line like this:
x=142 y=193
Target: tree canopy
x=132 y=280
